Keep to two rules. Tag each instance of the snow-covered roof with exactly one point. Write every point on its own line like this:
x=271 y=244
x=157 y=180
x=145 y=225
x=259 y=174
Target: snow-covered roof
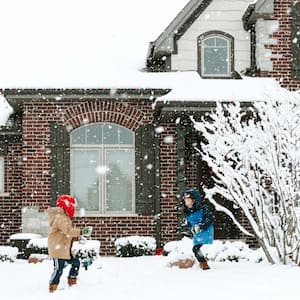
x=165 y=43
x=79 y=44
x=69 y=44
x=189 y=86
x=5 y=110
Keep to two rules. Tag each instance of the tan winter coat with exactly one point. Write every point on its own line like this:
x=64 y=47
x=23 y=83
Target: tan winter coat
x=61 y=233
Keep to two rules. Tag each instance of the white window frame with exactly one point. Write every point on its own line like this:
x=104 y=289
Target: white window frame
x=229 y=51
x=2 y=169
x=101 y=148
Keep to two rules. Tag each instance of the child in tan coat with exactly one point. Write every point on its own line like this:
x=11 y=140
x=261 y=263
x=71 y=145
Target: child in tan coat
x=60 y=240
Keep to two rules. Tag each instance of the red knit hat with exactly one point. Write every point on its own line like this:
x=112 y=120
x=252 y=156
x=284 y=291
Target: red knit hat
x=67 y=203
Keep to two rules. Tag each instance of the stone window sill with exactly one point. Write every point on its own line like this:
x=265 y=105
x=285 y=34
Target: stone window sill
x=93 y=215
x=4 y=194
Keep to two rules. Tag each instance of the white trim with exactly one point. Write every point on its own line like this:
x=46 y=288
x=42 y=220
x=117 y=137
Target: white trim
x=4 y=194
x=229 y=54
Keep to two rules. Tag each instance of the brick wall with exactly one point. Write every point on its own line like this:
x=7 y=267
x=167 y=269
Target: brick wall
x=282 y=64
x=169 y=190
x=10 y=206
x=74 y=113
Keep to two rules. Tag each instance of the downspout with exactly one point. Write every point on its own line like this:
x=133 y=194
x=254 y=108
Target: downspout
x=157 y=212
x=253 y=65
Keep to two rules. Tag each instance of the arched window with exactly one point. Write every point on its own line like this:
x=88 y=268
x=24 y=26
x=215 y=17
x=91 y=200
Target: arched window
x=102 y=168
x=216 y=54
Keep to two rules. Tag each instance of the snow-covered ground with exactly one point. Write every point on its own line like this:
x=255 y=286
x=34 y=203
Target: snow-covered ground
x=146 y=278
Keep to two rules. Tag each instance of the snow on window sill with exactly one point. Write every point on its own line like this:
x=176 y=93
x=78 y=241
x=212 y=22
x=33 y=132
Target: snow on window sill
x=92 y=215
x=4 y=194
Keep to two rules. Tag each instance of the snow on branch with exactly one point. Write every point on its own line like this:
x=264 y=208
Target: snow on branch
x=254 y=154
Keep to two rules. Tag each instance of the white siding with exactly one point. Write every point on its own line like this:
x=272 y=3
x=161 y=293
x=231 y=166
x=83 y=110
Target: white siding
x=221 y=15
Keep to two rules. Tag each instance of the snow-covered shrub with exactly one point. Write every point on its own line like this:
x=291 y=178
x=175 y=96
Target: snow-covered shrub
x=220 y=251
x=255 y=159
x=36 y=246
x=179 y=251
x=21 y=240
x=232 y=251
x=135 y=246
x=87 y=252
x=8 y=253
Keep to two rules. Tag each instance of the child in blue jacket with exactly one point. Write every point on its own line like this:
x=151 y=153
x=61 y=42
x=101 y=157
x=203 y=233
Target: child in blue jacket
x=200 y=221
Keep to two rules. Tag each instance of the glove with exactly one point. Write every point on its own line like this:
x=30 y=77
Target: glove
x=196 y=229
x=82 y=240
x=87 y=231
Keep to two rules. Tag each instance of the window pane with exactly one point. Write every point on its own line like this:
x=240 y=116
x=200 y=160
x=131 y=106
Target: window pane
x=85 y=179
x=210 y=42
x=1 y=175
x=221 y=42
x=215 y=61
x=110 y=134
x=119 y=180
x=94 y=134
x=126 y=136
x=79 y=136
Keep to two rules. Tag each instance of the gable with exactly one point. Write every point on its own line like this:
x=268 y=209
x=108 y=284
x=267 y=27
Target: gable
x=166 y=42
x=175 y=49
x=220 y=15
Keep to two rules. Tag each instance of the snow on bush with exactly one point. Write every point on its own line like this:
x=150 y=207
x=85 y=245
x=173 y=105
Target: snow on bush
x=135 y=246
x=255 y=159
x=219 y=251
x=87 y=252
x=232 y=251
x=8 y=253
x=36 y=246
x=89 y=249
x=24 y=236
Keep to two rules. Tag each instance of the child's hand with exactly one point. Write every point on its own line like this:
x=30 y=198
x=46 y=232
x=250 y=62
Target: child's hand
x=196 y=229
x=82 y=240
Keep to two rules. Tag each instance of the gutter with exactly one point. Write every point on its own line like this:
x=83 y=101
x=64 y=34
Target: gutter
x=15 y=96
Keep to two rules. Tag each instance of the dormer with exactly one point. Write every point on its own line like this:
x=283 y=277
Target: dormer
x=208 y=36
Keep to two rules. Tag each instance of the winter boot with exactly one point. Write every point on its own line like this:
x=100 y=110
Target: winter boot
x=204 y=265
x=52 y=288
x=72 y=281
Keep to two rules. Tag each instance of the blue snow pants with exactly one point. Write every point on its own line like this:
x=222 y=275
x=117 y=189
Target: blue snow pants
x=59 y=265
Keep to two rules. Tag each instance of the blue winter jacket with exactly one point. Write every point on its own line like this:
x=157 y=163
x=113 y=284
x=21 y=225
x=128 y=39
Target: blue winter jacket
x=202 y=216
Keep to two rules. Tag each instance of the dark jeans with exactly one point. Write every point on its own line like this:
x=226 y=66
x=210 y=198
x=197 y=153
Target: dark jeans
x=198 y=253
x=59 y=265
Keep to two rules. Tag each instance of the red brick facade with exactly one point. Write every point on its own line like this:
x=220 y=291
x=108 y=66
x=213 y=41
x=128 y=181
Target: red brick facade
x=36 y=150
x=11 y=205
x=30 y=169
x=282 y=67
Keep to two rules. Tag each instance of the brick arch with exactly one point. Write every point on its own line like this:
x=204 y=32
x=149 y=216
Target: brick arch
x=103 y=111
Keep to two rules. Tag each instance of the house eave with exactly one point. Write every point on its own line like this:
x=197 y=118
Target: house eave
x=171 y=110
x=15 y=96
x=166 y=43
x=262 y=9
